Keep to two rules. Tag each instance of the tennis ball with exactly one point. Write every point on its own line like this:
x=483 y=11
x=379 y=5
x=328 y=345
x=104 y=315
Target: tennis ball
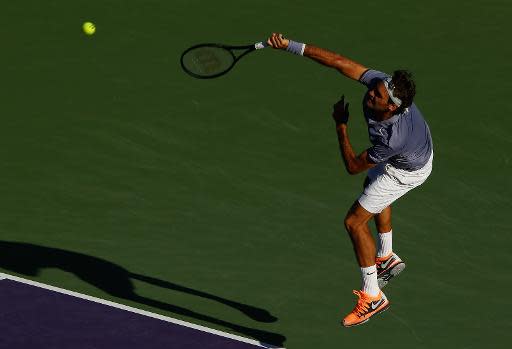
x=89 y=28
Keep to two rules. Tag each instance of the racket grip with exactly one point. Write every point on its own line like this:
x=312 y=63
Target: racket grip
x=260 y=45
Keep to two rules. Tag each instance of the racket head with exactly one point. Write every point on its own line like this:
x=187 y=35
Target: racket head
x=206 y=61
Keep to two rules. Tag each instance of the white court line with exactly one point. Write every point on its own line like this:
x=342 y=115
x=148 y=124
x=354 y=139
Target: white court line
x=136 y=311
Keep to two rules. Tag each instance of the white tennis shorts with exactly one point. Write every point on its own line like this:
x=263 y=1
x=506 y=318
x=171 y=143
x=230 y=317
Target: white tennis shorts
x=388 y=183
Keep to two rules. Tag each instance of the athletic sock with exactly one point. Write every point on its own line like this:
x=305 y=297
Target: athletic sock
x=369 y=281
x=385 y=244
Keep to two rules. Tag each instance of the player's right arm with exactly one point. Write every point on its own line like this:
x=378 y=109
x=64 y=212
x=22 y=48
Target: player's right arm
x=334 y=60
x=344 y=65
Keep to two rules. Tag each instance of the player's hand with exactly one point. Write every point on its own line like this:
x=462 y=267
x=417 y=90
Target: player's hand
x=340 y=112
x=277 y=40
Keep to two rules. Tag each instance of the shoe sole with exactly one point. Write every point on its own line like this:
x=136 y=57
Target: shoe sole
x=386 y=307
x=397 y=269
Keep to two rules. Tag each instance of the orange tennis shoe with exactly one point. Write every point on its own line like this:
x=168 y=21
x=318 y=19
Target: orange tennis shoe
x=366 y=307
x=387 y=268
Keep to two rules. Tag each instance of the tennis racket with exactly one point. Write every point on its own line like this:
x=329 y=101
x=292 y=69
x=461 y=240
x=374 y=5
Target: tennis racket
x=207 y=61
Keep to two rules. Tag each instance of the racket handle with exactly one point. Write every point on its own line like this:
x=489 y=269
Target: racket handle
x=260 y=45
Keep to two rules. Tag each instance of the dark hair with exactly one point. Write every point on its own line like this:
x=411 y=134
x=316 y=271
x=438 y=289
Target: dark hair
x=404 y=88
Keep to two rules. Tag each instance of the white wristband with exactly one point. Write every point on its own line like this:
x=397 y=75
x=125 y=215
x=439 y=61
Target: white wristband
x=296 y=47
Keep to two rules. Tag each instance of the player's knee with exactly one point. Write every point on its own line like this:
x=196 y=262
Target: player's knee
x=351 y=223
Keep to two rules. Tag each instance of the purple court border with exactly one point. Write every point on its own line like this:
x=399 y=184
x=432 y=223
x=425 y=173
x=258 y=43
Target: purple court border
x=25 y=302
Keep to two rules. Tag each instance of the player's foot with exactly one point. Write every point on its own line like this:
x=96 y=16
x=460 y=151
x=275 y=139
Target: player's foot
x=387 y=268
x=366 y=307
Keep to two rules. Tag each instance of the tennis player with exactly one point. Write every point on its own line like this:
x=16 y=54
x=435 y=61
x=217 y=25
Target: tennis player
x=399 y=160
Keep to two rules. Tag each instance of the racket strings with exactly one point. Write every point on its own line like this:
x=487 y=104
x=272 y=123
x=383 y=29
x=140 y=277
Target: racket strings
x=208 y=61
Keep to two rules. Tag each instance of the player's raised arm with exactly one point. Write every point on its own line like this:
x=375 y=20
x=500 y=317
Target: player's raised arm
x=328 y=58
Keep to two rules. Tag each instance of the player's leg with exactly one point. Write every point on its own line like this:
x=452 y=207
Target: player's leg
x=383 y=221
x=371 y=300
x=388 y=263
x=384 y=186
x=385 y=233
x=356 y=224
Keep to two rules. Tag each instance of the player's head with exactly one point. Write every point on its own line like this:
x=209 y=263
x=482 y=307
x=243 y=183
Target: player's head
x=404 y=90
x=392 y=94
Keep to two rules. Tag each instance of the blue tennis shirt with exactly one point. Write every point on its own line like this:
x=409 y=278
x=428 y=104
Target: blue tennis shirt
x=404 y=140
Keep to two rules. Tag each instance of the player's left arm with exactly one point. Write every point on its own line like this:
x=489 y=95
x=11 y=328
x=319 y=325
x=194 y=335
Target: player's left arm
x=354 y=163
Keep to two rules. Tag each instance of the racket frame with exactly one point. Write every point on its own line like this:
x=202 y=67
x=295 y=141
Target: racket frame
x=229 y=48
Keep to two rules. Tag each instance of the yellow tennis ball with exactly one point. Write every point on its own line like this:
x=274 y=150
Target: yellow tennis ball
x=89 y=28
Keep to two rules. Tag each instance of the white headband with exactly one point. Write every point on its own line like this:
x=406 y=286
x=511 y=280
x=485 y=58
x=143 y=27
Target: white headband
x=390 y=87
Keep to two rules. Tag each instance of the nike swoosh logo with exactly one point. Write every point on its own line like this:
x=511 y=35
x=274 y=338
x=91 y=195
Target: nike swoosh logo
x=376 y=305
x=372 y=306
x=385 y=264
x=370 y=273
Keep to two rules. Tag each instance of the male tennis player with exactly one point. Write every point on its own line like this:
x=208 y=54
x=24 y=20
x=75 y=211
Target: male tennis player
x=399 y=160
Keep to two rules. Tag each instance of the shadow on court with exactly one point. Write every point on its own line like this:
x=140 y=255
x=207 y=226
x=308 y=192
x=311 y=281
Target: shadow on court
x=28 y=259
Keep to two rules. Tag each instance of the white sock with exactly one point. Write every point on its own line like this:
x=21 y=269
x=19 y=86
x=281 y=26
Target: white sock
x=385 y=244
x=369 y=281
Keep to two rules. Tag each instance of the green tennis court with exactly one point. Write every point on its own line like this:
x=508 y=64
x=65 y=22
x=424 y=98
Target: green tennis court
x=232 y=190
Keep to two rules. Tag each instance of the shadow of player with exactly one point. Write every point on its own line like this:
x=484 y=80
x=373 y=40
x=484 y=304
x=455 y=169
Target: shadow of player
x=29 y=259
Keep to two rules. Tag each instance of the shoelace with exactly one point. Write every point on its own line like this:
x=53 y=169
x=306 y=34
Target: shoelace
x=362 y=303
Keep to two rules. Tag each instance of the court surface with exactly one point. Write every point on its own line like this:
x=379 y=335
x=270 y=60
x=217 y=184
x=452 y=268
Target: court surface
x=41 y=316
x=220 y=203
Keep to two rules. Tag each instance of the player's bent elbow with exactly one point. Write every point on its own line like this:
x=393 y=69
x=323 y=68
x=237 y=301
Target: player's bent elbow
x=352 y=171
